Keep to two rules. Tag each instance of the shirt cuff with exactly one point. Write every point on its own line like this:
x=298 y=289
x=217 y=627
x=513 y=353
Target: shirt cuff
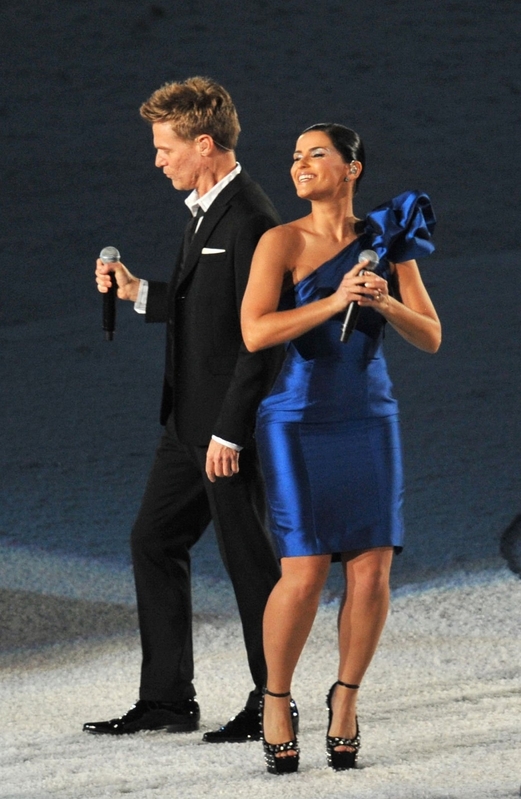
x=140 y=305
x=222 y=441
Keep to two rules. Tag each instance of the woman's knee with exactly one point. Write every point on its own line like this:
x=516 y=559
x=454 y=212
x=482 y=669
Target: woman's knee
x=303 y=580
x=371 y=574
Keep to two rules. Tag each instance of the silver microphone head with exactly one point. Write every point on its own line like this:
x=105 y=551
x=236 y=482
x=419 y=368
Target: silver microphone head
x=110 y=255
x=371 y=256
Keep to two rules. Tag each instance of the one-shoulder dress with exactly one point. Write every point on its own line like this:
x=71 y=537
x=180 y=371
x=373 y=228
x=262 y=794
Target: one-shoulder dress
x=328 y=432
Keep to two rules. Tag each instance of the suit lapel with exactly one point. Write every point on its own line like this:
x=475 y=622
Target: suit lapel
x=211 y=219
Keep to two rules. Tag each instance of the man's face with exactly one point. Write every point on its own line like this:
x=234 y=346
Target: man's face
x=179 y=159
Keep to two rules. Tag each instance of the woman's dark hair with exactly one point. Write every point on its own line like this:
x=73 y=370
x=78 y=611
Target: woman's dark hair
x=346 y=141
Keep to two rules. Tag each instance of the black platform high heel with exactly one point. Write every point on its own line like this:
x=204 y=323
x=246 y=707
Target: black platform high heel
x=341 y=760
x=287 y=764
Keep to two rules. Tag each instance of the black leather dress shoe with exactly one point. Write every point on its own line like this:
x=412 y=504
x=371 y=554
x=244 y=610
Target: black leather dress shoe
x=144 y=715
x=245 y=726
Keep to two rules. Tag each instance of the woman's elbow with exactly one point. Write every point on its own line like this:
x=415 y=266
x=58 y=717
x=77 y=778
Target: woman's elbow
x=433 y=348
x=251 y=338
x=437 y=345
x=433 y=342
x=252 y=346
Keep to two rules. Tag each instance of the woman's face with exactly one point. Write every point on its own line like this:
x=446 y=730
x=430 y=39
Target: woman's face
x=318 y=170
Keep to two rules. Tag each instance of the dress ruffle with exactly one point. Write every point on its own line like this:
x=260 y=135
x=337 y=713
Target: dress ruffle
x=401 y=228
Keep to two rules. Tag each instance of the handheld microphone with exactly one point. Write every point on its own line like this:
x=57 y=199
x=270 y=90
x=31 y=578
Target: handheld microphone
x=353 y=309
x=109 y=255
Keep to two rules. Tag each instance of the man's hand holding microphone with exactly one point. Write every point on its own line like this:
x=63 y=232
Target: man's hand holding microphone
x=113 y=278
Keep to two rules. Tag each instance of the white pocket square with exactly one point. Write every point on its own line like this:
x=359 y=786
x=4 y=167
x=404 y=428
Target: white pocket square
x=210 y=251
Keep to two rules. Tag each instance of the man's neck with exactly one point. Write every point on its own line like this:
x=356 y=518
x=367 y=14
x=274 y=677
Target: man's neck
x=217 y=168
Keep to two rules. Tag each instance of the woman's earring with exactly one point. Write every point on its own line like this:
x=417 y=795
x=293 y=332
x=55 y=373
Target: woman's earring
x=346 y=180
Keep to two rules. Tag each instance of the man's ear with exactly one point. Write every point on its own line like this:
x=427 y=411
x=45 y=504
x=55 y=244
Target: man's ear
x=205 y=144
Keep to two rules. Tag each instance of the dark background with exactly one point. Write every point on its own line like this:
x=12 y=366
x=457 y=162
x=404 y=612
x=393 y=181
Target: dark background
x=434 y=90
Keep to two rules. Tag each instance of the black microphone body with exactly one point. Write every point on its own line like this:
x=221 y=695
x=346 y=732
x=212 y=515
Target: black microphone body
x=353 y=309
x=109 y=255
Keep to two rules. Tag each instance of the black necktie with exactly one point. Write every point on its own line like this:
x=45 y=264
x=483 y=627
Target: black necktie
x=190 y=231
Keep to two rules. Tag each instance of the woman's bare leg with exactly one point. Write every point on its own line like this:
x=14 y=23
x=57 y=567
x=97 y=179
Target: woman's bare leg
x=288 y=618
x=361 y=620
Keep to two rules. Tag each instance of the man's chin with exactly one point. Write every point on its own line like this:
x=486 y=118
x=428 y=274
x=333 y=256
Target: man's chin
x=180 y=186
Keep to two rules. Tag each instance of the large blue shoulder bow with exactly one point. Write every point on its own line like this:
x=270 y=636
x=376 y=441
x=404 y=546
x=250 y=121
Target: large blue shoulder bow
x=402 y=227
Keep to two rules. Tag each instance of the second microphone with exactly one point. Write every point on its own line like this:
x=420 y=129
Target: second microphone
x=110 y=255
x=353 y=309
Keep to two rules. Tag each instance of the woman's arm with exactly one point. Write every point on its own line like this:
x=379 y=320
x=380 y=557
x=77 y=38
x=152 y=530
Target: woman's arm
x=262 y=324
x=414 y=318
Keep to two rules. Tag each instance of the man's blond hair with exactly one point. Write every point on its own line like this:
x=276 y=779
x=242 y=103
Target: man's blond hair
x=195 y=106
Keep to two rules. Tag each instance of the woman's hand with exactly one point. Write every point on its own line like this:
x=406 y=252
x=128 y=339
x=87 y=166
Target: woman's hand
x=128 y=285
x=413 y=316
x=363 y=287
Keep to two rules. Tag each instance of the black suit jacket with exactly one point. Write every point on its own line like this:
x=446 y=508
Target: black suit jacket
x=212 y=384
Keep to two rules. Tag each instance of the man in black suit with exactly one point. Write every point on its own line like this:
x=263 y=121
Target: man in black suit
x=206 y=466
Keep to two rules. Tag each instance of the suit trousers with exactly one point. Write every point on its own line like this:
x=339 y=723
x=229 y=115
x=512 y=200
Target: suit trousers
x=177 y=506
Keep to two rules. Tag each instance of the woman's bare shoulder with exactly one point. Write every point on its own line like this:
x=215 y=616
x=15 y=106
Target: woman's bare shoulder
x=287 y=236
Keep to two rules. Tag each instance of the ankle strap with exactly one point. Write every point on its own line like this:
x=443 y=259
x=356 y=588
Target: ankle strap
x=279 y=696
x=348 y=685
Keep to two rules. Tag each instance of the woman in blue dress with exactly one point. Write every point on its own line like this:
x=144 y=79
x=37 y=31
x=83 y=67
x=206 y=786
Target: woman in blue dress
x=328 y=432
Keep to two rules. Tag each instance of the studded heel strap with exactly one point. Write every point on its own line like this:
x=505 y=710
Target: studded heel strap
x=341 y=760
x=278 y=765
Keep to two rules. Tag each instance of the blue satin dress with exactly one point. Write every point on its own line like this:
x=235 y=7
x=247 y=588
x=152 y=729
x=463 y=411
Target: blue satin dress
x=328 y=433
